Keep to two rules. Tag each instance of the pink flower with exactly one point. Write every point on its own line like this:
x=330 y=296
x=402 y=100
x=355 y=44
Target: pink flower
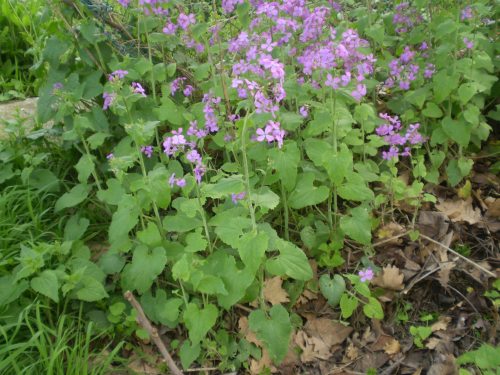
x=265 y=134
x=366 y=274
x=185 y=20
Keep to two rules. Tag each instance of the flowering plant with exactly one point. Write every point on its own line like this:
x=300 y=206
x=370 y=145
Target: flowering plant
x=234 y=143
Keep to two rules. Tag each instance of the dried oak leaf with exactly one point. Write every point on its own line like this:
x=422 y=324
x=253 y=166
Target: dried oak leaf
x=273 y=292
x=390 y=230
x=441 y=324
x=247 y=333
x=392 y=347
x=313 y=348
x=391 y=278
x=257 y=366
x=330 y=332
x=460 y=210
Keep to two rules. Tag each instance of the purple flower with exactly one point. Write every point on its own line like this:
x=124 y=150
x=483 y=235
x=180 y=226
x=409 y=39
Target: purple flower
x=265 y=134
x=110 y=156
x=304 y=112
x=238 y=197
x=184 y=20
x=108 y=100
x=199 y=171
x=188 y=90
x=147 y=150
x=138 y=89
x=176 y=84
x=468 y=43
x=391 y=154
x=57 y=86
x=124 y=3
x=366 y=274
x=193 y=156
x=169 y=28
x=180 y=182
x=117 y=75
x=466 y=13
x=359 y=93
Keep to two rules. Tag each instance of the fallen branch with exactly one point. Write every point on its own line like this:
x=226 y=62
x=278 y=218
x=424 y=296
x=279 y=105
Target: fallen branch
x=144 y=322
x=459 y=255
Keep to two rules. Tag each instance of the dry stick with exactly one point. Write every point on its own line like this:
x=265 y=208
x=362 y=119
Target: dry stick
x=459 y=255
x=143 y=321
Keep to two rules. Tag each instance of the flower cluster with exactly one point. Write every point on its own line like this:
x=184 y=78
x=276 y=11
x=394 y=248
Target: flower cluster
x=400 y=142
x=211 y=104
x=180 y=182
x=138 y=89
x=405 y=68
x=147 y=150
x=406 y=17
x=108 y=99
x=272 y=132
x=117 y=75
x=184 y=22
x=179 y=83
x=238 y=197
x=366 y=275
x=466 y=13
x=177 y=143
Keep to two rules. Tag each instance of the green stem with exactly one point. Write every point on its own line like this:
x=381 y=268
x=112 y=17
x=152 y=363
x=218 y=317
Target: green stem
x=246 y=170
x=204 y=218
x=94 y=174
x=333 y=193
x=285 y=212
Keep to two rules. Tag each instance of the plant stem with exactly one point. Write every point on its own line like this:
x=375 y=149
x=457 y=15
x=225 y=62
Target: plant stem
x=94 y=174
x=246 y=170
x=204 y=218
x=332 y=220
x=285 y=212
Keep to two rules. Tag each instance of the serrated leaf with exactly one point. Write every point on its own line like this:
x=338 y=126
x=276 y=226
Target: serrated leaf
x=47 y=284
x=274 y=331
x=199 y=321
x=75 y=196
x=84 y=167
x=145 y=267
x=306 y=194
x=252 y=247
x=357 y=225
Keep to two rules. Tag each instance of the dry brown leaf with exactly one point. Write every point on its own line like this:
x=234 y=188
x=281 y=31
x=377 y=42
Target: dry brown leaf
x=444 y=273
x=418 y=371
x=433 y=224
x=493 y=207
x=441 y=324
x=330 y=332
x=432 y=343
x=392 y=347
x=460 y=210
x=139 y=366
x=257 y=366
x=391 y=278
x=352 y=352
x=390 y=230
x=313 y=348
x=273 y=292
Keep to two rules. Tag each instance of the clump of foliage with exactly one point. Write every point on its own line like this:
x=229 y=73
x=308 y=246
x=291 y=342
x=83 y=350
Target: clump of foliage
x=223 y=144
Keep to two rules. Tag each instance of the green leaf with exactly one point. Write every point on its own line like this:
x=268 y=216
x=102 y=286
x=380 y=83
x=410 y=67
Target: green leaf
x=291 y=261
x=306 y=194
x=347 y=305
x=252 y=247
x=145 y=267
x=373 y=309
x=274 y=331
x=321 y=123
x=332 y=289
x=150 y=236
x=443 y=85
x=46 y=284
x=265 y=198
x=169 y=111
x=355 y=189
x=114 y=194
x=90 y=290
x=432 y=111
x=224 y=187
x=181 y=223
x=338 y=166
x=195 y=241
x=318 y=151
x=96 y=140
x=199 y=322
x=458 y=130
x=171 y=68
x=230 y=225
x=75 y=227
x=123 y=220
x=286 y=161
x=357 y=225
x=75 y=196
x=189 y=353
x=466 y=91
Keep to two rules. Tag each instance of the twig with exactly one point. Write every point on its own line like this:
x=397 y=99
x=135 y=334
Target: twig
x=200 y=369
x=390 y=239
x=459 y=255
x=144 y=322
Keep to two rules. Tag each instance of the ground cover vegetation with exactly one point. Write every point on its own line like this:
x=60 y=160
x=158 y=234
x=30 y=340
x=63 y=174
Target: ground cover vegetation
x=251 y=186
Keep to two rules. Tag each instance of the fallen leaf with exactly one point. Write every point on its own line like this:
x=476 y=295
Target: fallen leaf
x=432 y=343
x=257 y=366
x=446 y=367
x=352 y=352
x=493 y=207
x=391 y=278
x=392 y=347
x=273 y=292
x=390 y=230
x=330 y=332
x=139 y=366
x=460 y=210
x=313 y=348
x=433 y=224
x=441 y=324
x=444 y=273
